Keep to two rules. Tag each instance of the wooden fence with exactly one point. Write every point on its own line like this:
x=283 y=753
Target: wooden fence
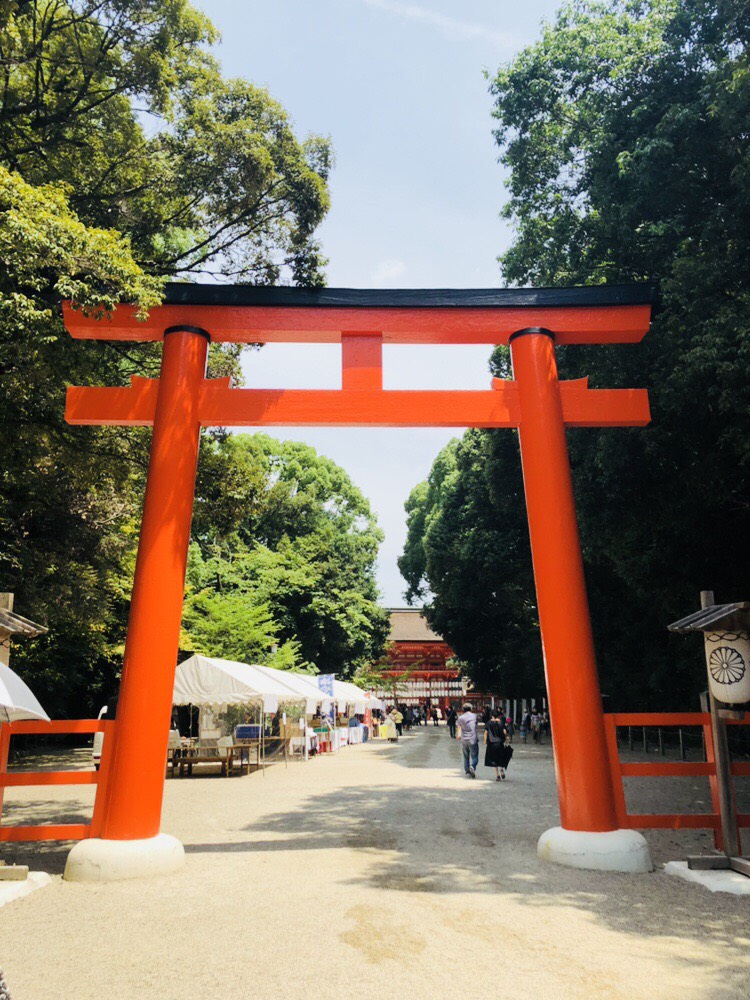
x=100 y=778
x=676 y=769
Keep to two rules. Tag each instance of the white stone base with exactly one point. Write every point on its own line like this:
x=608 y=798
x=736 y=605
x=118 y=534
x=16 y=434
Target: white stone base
x=96 y=860
x=612 y=851
x=15 y=890
x=715 y=881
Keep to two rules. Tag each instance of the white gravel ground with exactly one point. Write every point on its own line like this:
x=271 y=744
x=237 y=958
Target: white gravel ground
x=379 y=872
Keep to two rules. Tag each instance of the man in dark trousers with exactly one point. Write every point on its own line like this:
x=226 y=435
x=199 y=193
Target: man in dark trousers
x=451 y=720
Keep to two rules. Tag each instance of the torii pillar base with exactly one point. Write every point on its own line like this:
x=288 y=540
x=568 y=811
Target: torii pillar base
x=97 y=860
x=608 y=851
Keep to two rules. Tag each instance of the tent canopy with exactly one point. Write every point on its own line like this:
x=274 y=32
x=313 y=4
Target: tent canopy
x=210 y=681
x=347 y=693
x=305 y=687
x=205 y=680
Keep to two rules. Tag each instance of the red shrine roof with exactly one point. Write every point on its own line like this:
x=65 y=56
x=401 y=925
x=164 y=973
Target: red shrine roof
x=410 y=625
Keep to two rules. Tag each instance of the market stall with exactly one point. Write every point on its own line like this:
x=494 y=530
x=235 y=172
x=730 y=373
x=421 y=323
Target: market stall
x=235 y=701
x=316 y=702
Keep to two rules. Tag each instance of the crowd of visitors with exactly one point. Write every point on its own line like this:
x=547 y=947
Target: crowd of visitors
x=497 y=734
x=536 y=723
x=414 y=716
x=497 y=738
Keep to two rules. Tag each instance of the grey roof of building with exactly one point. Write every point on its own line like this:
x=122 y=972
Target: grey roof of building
x=410 y=625
x=14 y=624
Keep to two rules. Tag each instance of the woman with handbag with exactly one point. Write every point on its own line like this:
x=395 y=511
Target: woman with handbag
x=497 y=754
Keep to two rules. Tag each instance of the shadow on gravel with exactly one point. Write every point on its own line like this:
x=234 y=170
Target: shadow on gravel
x=444 y=842
x=44 y=855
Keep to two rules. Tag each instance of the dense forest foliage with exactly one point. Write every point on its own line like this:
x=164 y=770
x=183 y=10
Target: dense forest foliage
x=625 y=132
x=283 y=555
x=126 y=157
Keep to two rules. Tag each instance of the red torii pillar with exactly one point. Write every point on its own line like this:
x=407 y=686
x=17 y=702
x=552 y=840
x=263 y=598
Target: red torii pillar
x=181 y=401
x=585 y=791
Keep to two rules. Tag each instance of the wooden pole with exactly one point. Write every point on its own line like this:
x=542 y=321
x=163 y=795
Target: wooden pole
x=729 y=835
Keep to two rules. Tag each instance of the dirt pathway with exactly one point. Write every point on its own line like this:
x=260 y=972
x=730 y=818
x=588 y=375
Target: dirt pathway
x=382 y=870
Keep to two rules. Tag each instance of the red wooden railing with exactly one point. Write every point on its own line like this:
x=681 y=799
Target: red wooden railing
x=619 y=770
x=707 y=768
x=100 y=778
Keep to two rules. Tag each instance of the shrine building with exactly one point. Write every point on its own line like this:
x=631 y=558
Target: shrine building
x=426 y=659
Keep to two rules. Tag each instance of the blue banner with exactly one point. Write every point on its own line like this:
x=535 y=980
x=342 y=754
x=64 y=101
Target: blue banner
x=325 y=683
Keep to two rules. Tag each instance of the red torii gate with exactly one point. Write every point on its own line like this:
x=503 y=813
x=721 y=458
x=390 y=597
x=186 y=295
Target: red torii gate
x=182 y=401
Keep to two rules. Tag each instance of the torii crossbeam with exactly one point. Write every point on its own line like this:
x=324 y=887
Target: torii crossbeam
x=182 y=401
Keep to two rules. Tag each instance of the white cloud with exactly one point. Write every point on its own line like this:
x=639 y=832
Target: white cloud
x=451 y=27
x=388 y=270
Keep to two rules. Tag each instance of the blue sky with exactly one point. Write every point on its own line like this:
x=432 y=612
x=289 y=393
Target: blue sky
x=416 y=190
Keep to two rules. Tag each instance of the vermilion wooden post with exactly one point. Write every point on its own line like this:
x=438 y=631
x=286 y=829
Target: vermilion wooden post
x=132 y=809
x=584 y=781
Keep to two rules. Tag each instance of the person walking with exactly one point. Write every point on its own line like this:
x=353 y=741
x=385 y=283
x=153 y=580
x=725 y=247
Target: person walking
x=467 y=734
x=398 y=720
x=434 y=716
x=451 y=720
x=536 y=721
x=390 y=727
x=525 y=726
x=497 y=753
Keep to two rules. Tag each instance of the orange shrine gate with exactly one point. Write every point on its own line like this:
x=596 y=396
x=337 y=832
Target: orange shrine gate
x=126 y=839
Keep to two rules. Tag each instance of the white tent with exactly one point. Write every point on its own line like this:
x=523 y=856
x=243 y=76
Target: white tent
x=347 y=693
x=305 y=687
x=16 y=699
x=206 y=680
x=373 y=702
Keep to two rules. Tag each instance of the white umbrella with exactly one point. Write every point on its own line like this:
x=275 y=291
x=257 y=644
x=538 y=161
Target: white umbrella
x=16 y=700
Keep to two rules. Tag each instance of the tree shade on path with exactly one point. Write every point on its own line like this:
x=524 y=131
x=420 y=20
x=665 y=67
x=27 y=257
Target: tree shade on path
x=413 y=866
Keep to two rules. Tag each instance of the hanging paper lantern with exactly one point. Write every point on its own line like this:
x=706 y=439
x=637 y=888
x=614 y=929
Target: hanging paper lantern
x=728 y=660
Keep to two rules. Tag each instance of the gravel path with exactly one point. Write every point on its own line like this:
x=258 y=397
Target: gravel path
x=380 y=871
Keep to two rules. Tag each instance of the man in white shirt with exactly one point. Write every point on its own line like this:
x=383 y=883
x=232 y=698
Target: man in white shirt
x=468 y=736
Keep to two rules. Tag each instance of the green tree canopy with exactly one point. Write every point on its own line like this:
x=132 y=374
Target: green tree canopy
x=284 y=554
x=624 y=131
x=123 y=102
x=125 y=157
x=466 y=555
